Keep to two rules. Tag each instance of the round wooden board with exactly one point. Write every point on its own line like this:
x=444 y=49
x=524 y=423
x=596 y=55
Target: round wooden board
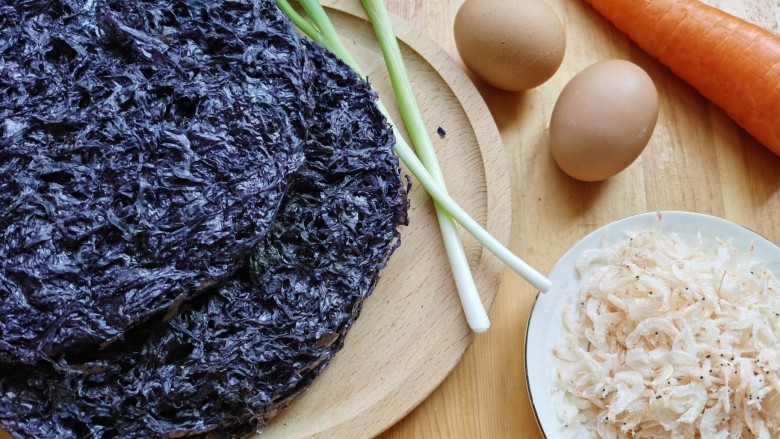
x=412 y=332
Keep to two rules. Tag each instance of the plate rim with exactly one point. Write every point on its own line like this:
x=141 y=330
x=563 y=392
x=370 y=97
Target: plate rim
x=659 y=215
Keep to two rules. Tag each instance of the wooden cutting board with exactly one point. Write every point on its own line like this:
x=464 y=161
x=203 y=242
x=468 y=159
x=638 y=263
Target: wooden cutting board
x=412 y=332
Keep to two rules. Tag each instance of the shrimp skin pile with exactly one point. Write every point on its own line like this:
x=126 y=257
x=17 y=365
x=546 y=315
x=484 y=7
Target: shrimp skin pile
x=671 y=338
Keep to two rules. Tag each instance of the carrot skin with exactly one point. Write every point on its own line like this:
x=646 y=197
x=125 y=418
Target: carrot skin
x=733 y=63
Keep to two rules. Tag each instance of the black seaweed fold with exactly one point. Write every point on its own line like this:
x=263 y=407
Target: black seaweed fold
x=221 y=358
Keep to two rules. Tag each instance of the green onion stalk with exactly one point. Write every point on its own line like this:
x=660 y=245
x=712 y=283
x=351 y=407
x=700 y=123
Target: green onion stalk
x=422 y=164
x=415 y=125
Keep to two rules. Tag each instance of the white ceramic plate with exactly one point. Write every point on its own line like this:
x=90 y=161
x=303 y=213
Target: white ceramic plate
x=545 y=322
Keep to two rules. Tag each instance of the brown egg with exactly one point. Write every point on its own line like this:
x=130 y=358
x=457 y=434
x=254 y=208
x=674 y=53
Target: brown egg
x=603 y=119
x=513 y=45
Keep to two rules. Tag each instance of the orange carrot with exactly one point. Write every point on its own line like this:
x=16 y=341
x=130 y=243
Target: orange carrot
x=733 y=63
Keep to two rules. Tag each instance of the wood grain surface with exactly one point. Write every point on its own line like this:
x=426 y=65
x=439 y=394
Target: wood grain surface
x=697 y=160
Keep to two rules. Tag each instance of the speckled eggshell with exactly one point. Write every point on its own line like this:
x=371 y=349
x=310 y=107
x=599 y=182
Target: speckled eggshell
x=603 y=119
x=513 y=45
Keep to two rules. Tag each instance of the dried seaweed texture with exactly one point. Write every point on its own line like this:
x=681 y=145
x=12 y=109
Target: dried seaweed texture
x=144 y=150
x=230 y=359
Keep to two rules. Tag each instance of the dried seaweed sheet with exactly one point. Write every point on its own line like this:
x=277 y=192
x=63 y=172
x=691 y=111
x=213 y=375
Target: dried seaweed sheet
x=230 y=358
x=144 y=150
